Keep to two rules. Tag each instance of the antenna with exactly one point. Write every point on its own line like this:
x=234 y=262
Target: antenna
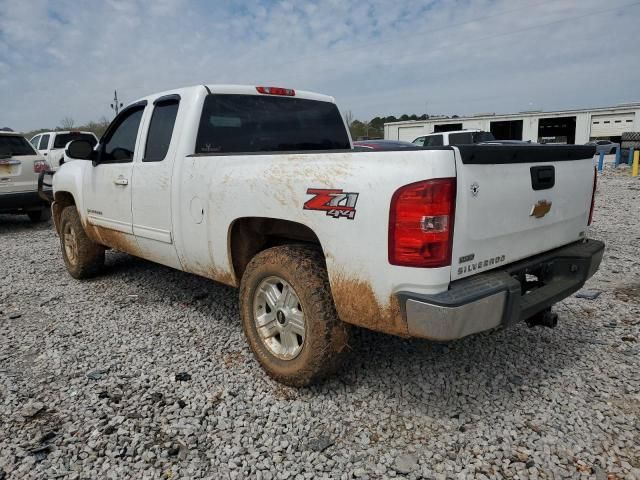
x=116 y=105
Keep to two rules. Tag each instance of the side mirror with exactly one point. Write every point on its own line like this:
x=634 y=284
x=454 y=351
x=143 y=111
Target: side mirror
x=80 y=150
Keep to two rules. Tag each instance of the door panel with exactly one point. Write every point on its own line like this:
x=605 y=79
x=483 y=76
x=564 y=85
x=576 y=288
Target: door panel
x=108 y=196
x=107 y=186
x=152 y=180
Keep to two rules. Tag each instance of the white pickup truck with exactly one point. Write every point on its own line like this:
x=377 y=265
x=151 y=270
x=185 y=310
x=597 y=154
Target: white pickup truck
x=258 y=188
x=51 y=144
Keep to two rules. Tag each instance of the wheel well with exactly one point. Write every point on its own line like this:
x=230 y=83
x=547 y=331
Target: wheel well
x=60 y=201
x=249 y=236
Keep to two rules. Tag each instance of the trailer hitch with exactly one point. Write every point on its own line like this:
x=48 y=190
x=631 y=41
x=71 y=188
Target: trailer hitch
x=545 y=318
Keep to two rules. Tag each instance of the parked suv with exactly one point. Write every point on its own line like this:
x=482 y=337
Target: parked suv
x=20 y=166
x=51 y=144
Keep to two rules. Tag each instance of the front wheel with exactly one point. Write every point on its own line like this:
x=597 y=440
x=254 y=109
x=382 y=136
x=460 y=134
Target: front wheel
x=288 y=315
x=82 y=256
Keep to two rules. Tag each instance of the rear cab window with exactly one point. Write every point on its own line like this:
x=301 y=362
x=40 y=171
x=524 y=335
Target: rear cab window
x=14 y=146
x=258 y=123
x=62 y=139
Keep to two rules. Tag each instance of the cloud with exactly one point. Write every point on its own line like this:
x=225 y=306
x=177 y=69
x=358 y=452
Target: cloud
x=64 y=58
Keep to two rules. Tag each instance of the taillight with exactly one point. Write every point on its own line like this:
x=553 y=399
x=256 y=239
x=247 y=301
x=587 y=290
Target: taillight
x=421 y=223
x=593 y=194
x=287 y=92
x=40 y=166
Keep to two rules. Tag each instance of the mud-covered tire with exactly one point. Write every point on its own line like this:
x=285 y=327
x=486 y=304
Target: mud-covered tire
x=37 y=216
x=82 y=256
x=326 y=336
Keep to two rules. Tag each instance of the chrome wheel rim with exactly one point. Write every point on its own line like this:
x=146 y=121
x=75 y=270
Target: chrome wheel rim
x=279 y=318
x=70 y=244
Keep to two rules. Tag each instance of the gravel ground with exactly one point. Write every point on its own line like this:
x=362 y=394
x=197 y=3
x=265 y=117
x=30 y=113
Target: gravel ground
x=144 y=373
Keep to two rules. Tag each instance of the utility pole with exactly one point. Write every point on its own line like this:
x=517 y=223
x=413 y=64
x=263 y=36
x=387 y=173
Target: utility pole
x=116 y=105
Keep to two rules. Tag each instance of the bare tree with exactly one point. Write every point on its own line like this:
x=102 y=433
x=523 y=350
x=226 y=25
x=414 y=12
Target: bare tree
x=67 y=123
x=348 y=117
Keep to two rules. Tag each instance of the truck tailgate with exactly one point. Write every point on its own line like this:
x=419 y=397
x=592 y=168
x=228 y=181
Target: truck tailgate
x=517 y=201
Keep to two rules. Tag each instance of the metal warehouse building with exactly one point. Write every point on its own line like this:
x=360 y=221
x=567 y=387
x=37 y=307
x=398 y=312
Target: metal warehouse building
x=563 y=126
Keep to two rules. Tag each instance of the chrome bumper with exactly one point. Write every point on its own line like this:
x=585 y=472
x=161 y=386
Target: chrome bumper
x=501 y=297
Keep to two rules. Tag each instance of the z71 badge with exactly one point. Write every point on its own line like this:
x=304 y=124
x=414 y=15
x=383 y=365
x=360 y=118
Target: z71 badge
x=335 y=202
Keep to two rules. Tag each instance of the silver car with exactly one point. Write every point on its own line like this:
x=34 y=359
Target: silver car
x=20 y=166
x=605 y=146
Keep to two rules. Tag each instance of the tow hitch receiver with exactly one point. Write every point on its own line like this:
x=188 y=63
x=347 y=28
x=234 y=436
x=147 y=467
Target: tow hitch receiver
x=545 y=318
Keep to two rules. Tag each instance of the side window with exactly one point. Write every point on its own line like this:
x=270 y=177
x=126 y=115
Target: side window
x=434 y=141
x=419 y=141
x=121 y=143
x=160 y=130
x=35 y=141
x=465 y=138
x=44 y=142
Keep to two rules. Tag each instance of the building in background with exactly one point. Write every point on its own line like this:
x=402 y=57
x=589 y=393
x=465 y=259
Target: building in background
x=563 y=126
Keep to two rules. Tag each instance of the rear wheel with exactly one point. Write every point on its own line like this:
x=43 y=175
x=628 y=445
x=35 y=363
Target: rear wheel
x=37 y=216
x=82 y=256
x=288 y=315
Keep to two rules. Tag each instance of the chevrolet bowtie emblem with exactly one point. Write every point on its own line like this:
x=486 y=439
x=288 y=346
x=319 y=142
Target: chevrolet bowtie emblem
x=540 y=209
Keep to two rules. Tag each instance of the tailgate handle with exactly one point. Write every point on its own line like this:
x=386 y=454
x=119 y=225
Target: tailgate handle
x=543 y=177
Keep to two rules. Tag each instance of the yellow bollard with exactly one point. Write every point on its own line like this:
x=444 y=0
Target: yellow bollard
x=636 y=161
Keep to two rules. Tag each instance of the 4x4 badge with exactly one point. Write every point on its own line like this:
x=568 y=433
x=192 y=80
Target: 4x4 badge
x=333 y=201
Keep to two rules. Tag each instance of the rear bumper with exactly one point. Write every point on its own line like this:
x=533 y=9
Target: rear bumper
x=502 y=297
x=21 y=202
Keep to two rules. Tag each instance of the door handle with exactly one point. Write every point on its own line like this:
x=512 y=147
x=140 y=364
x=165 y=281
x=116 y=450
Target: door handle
x=121 y=181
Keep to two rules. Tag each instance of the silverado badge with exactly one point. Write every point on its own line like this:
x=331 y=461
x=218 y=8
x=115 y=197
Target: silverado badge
x=540 y=209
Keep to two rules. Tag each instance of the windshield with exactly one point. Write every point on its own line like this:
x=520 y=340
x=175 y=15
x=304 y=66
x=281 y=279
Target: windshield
x=258 y=123
x=63 y=138
x=12 y=145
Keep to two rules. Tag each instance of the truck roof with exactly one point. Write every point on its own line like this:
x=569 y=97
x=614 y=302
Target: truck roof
x=63 y=131
x=239 y=90
x=453 y=131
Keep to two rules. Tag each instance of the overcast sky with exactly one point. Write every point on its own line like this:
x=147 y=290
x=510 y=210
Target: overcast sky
x=377 y=57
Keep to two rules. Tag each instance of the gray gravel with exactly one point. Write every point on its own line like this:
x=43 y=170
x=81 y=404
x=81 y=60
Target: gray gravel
x=144 y=373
